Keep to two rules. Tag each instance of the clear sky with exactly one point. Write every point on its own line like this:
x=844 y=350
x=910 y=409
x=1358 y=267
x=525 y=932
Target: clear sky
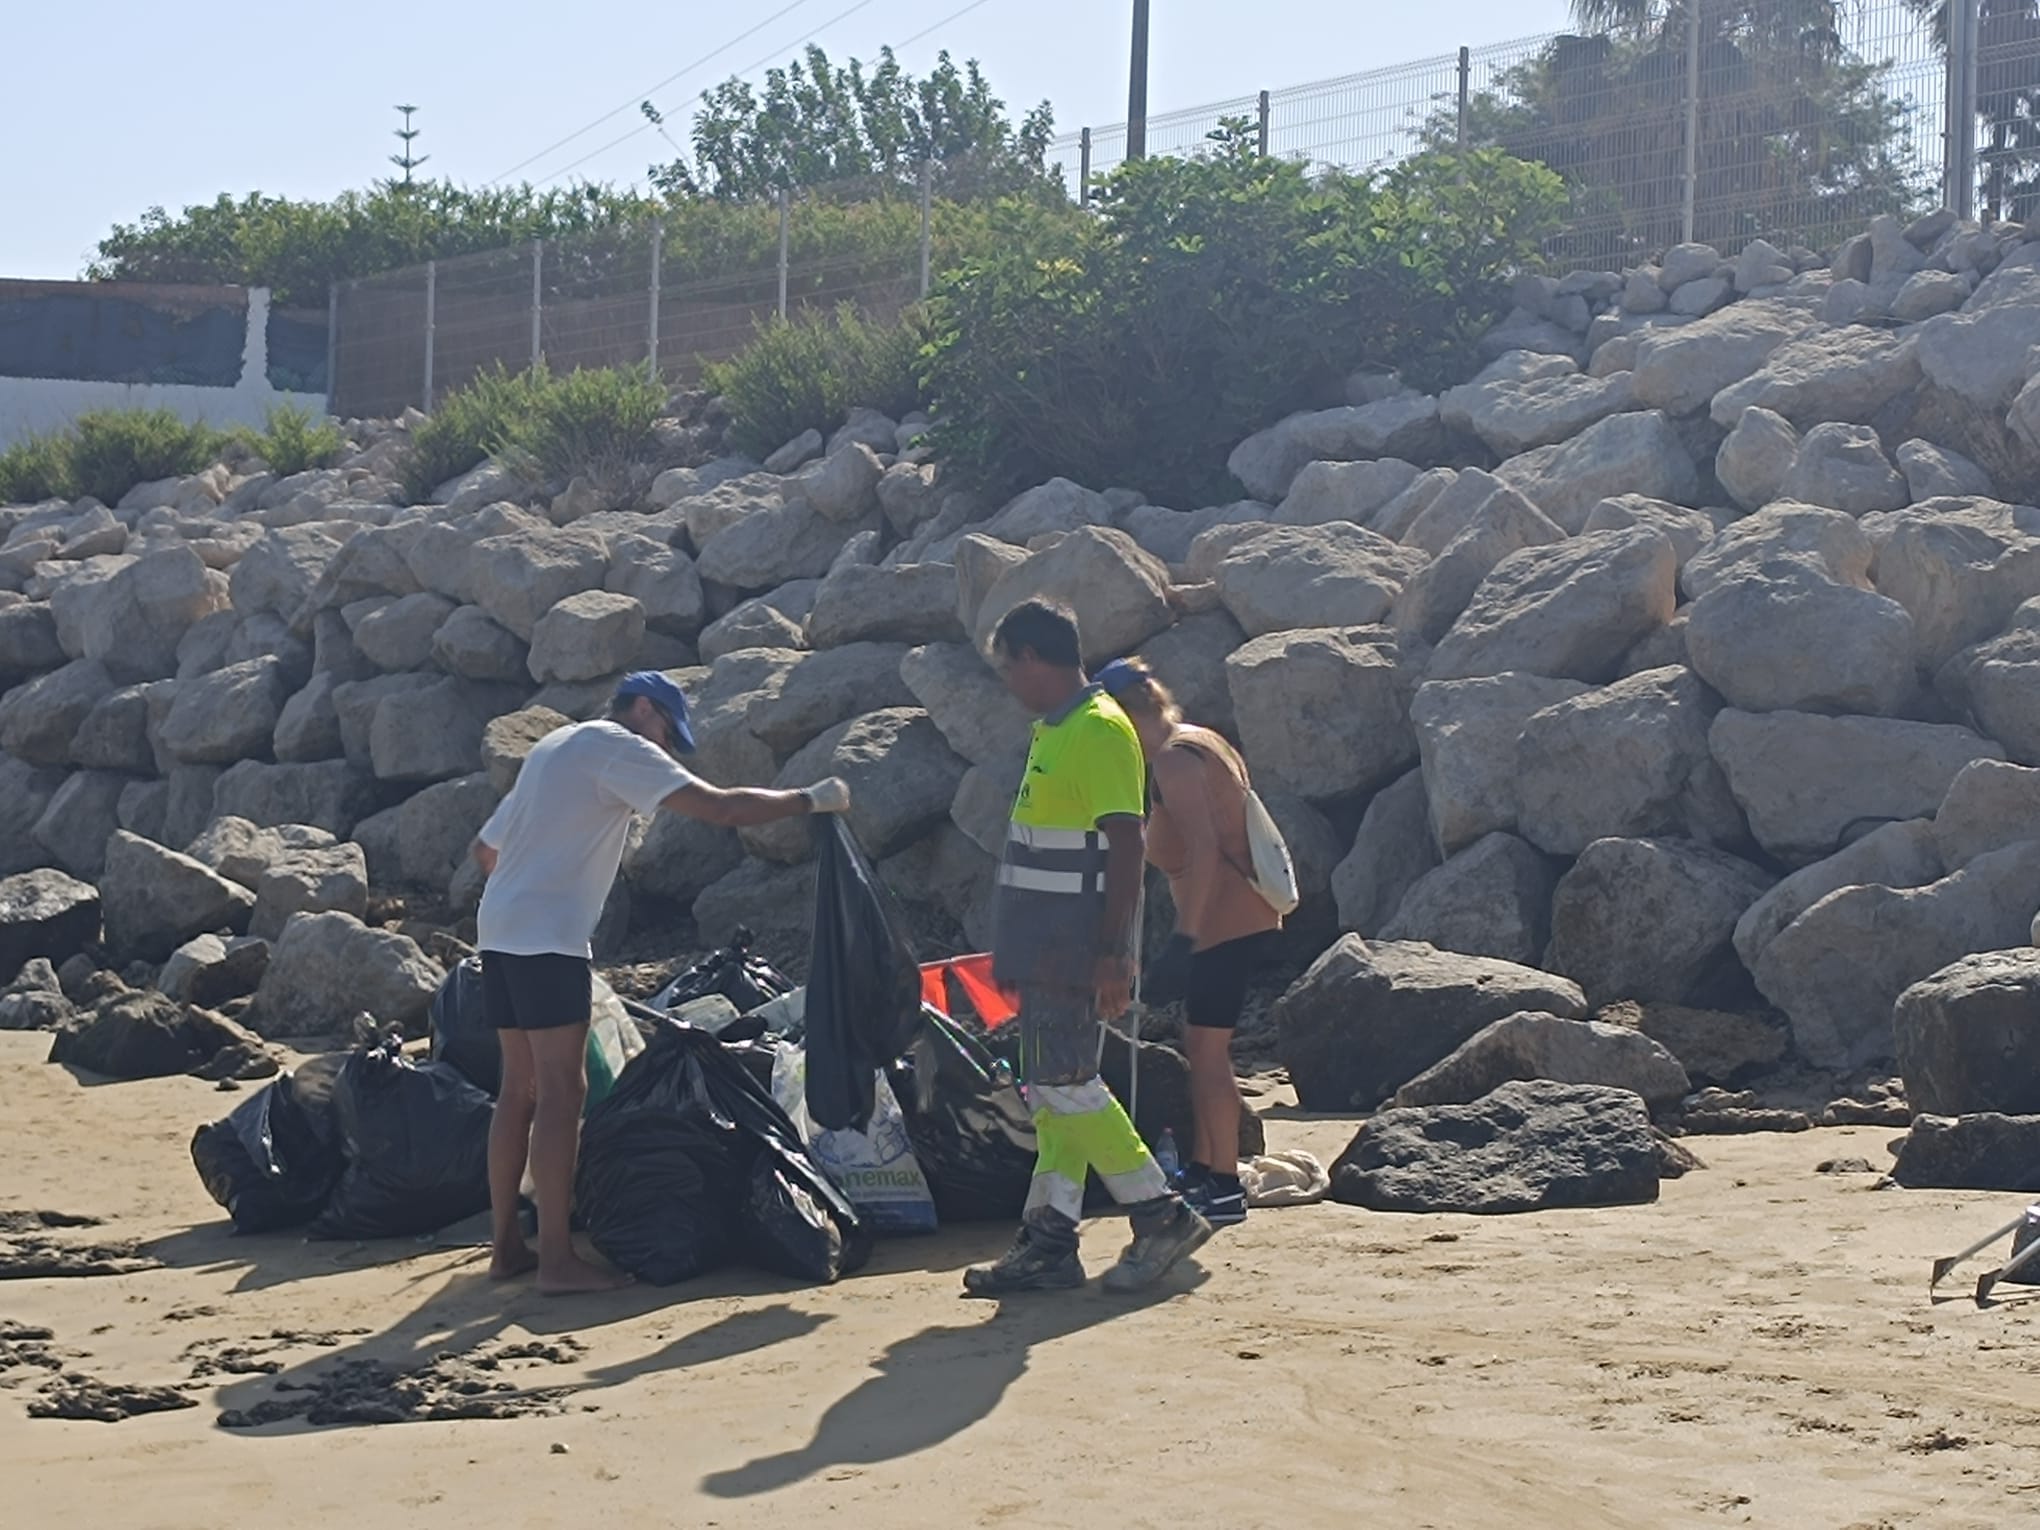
x=137 y=102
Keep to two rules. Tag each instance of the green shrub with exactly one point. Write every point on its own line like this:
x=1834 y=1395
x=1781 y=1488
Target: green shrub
x=807 y=373
x=109 y=451
x=34 y=469
x=465 y=427
x=1209 y=298
x=595 y=421
x=295 y=440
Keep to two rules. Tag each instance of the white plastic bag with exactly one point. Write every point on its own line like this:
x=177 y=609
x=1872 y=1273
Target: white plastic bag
x=874 y=1168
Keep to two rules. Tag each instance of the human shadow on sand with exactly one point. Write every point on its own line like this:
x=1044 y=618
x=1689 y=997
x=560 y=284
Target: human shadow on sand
x=933 y=1385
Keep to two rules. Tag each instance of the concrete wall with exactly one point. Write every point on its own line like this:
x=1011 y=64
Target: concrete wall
x=32 y=405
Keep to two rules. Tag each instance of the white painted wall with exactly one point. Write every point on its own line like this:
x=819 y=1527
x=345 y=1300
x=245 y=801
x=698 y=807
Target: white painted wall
x=34 y=405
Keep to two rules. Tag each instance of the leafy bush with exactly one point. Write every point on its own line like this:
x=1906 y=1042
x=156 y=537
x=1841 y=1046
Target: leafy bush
x=1209 y=298
x=35 y=469
x=295 y=440
x=595 y=421
x=109 y=451
x=807 y=373
x=465 y=427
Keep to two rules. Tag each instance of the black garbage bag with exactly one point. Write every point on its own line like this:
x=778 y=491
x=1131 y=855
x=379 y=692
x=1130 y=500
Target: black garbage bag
x=462 y=1037
x=746 y=979
x=274 y=1160
x=416 y=1140
x=863 y=1003
x=669 y=1187
x=972 y=1132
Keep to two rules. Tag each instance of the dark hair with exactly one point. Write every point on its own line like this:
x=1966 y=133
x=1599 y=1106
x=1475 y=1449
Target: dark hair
x=1044 y=626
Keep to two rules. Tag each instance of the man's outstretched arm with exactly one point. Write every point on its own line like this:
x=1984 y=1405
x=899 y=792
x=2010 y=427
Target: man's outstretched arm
x=744 y=807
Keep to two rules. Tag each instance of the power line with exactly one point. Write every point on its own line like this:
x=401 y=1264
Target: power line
x=776 y=53
x=929 y=31
x=645 y=95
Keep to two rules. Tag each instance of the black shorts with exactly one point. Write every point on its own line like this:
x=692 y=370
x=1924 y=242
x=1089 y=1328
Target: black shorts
x=1218 y=980
x=536 y=993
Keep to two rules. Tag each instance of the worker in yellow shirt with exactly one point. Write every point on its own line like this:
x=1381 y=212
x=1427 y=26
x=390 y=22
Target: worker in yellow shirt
x=1065 y=933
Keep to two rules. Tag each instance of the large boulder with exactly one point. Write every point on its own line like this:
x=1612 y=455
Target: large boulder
x=134 y=621
x=1056 y=506
x=1679 y=370
x=1629 y=760
x=208 y=971
x=518 y=578
x=769 y=547
x=310 y=881
x=1406 y=426
x=1843 y=467
x=1491 y=899
x=1837 y=970
x=1807 y=783
x=661 y=579
x=45 y=913
x=1119 y=594
x=1368 y=1018
x=25 y=794
x=1718 y=1047
x=903 y=778
x=1780 y=533
x=1969 y=1036
x=82 y=813
x=1569 y=611
x=1342 y=491
x=244 y=852
x=1638 y=453
x=680 y=858
x=39 y=720
x=509 y=738
x=473 y=646
x=1932 y=472
x=1895 y=855
x=157 y=899
x=28 y=642
x=435 y=732
x=332 y=795
x=1285 y=577
x=1531 y=1046
x=775 y=903
x=1438 y=593
x=1786 y=638
x=844 y=485
x=1980 y=1152
x=1755 y=458
x=1689 y=531
x=1516 y=415
x=776 y=619
x=968 y=703
x=228 y=715
x=1467 y=732
x=1532 y=1145
x=1993 y=685
x=1825 y=375
x=280 y=572
x=860 y=602
x=326 y=968
x=819 y=690
x=425 y=840
x=586 y=636
x=1189 y=659
x=1393 y=851
x=1321 y=711
x=396 y=635
x=1962 y=568
x=1653 y=920
x=1991 y=804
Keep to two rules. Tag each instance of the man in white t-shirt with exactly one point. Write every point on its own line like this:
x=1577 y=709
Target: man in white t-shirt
x=550 y=851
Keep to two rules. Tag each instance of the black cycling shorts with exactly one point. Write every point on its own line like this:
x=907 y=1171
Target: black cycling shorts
x=536 y=993
x=1218 y=980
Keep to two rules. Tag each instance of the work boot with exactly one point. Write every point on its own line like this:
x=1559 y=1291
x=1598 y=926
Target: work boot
x=1033 y=1263
x=1153 y=1254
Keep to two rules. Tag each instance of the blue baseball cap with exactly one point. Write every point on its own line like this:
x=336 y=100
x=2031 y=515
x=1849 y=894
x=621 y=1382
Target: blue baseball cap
x=662 y=692
x=1117 y=677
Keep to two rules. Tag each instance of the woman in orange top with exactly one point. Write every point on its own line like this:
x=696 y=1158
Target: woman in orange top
x=1197 y=837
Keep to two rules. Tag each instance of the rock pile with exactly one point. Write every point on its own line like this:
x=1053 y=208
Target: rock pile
x=1680 y=664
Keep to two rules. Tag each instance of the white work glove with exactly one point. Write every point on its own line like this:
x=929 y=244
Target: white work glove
x=830 y=796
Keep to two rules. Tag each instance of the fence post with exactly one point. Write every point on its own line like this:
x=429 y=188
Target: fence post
x=651 y=337
x=785 y=244
x=1692 y=176
x=1465 y=93
x=1264 y=124
x=1084 y=168
x=927 y=221
x=537 y=301
x=1959 y=157
x=332 y=345
x=431 y=324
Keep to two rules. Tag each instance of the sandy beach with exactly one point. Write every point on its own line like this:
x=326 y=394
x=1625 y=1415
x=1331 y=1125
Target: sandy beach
x=1757 y=1348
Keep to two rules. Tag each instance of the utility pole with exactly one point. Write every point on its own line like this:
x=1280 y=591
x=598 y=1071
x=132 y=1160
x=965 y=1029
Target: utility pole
x=407 y=161
x=1136 y=90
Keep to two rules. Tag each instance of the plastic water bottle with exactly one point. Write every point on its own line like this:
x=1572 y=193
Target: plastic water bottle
x=1165 y=1155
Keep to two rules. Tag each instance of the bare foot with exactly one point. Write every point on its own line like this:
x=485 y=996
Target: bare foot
x=576 y=1277
x=509 y=1263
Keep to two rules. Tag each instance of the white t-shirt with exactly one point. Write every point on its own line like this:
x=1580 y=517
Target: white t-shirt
x=559 y=836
